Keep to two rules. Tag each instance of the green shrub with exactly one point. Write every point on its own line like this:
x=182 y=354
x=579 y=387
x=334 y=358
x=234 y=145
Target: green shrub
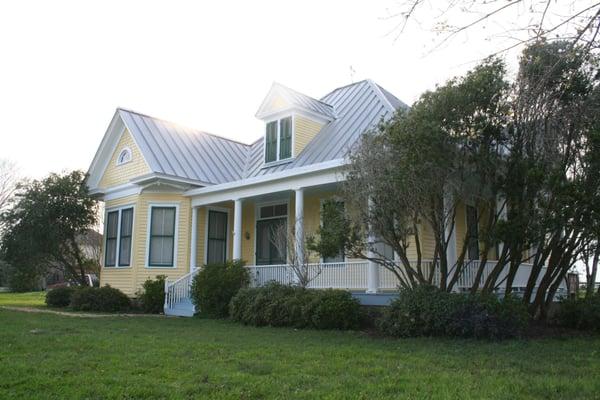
x=428 y=311
x=103 y=299
x=580 y=313
x=152 y=295
x=282 y=305
x=216 y=284
x=59 y=297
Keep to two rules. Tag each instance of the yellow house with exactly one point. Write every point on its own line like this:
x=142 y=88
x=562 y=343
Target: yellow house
x=177 y=198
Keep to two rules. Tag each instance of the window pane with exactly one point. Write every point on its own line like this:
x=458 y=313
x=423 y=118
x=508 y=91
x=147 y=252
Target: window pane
x=271 y=142
x=161 y=251
x=280 y=210
x=126 y=221
x=163 y=221
x=266 y=212
x=112 y=224
x=124 y=251
x=111 y=252
x=285 y=138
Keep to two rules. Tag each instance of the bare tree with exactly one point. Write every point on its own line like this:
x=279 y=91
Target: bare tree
x=8 y=182
x=512 y=22
x=298 y=254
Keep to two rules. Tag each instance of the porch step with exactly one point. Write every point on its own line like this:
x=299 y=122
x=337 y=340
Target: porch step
x=184 y=308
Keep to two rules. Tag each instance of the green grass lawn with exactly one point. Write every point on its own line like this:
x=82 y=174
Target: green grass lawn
x=31 y=299
x=56 y=357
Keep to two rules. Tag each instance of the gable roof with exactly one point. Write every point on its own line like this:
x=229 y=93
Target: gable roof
x=176 y=150
x=297 y=99
x=359 y=107
x=201 y=158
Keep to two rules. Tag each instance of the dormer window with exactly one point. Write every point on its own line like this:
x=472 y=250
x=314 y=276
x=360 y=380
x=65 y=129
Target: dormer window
x=278 y=140
x=124 y=156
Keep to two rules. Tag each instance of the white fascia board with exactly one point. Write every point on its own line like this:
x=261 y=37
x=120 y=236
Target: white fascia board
x=105 y=150
x=117 y=192
x=155 y=176
x=328 y=172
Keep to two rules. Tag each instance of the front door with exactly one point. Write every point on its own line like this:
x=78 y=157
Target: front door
x=270 y=246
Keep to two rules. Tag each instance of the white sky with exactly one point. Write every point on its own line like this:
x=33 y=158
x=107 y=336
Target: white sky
x=66 y=66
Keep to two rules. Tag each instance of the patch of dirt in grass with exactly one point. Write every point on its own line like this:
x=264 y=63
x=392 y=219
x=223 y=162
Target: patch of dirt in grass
x=75 y=314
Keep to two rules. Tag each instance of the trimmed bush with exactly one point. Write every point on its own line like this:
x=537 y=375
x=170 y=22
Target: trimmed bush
x=281 y=305
x=583 y=314
x=59 y=297
x=152 y=295
x=428 y=311
x=216 y=284
x=103 y=299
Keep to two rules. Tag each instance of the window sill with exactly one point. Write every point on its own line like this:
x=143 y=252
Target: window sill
x=160 y=266
x=115 y=267
x=278 y=162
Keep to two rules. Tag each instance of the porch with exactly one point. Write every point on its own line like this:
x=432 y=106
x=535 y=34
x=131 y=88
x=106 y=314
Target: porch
x=370 y=283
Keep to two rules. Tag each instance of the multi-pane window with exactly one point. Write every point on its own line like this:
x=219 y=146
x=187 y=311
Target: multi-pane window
x=162 y=237
x=473 y=233
x=216 y=249
x=119 y=230
x=278 y=140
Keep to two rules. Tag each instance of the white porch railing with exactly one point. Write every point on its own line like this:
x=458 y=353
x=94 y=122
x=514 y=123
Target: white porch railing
x=354 y=275
x=179 y=290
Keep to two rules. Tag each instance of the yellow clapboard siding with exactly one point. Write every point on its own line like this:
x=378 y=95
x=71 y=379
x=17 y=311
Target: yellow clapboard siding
x=305 y=129
x=120 y=174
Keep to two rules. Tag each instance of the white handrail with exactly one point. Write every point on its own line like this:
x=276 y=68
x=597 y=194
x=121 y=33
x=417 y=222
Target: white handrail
x=179 y=289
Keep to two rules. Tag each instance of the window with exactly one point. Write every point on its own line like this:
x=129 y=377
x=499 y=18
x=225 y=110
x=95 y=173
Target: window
x=162 y=236
x=112 y=225
x=285 y=138
x=270 y=249
x=125 y=238
x=473 y=233
x=119 y=230
x=216 y=247
x=278 y=140
x=124 y=156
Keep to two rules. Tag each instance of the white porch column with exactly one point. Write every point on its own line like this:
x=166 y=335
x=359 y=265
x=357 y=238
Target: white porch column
x=237 y=230
x=450 y=232
x=299 y=225
x=373 y=268
x=194 y=239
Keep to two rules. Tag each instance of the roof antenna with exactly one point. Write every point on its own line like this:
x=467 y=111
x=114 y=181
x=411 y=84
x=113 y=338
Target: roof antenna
x=352 y=72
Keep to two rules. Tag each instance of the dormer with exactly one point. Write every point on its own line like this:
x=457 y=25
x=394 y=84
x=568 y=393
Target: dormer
x=292 y=119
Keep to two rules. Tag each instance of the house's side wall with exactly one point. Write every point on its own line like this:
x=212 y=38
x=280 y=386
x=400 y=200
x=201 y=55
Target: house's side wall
x=305 y=129
x=120 y=174
x=130 y=279
x=122 y=278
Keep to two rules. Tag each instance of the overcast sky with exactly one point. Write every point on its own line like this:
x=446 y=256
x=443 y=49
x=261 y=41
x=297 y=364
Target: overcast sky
x=66 y=66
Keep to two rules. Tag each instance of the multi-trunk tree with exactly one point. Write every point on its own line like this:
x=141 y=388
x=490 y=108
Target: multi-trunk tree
x=523 y=153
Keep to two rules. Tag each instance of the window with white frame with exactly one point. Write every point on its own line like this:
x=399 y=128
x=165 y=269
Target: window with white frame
x=124 y=156
x=161 y=252
x=278 y=140
x=119 y=231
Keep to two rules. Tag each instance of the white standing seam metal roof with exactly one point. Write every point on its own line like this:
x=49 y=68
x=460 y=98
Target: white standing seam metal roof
x=182 y=152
